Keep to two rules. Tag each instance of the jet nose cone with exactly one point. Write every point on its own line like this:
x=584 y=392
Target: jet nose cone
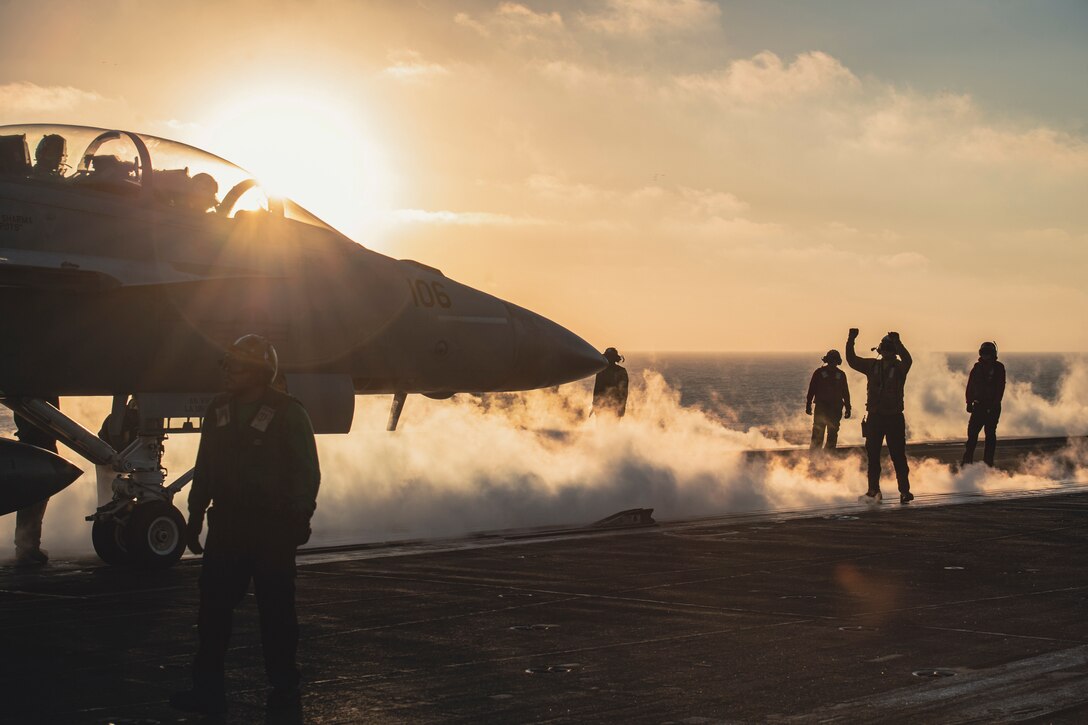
x=548 y=354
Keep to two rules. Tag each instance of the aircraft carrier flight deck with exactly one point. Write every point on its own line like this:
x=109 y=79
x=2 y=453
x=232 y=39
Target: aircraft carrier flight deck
x=957 y=608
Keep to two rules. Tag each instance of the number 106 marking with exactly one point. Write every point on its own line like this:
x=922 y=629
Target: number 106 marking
x=428 y=295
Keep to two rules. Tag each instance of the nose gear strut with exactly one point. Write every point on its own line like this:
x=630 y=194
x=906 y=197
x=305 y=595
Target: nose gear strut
x=139 y=525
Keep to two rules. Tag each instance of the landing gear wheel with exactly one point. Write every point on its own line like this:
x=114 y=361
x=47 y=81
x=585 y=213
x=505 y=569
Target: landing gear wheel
x=155 y=535
x=109 y=539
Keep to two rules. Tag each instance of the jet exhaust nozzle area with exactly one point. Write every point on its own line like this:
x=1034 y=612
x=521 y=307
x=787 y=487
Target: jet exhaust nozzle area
x=29 y=475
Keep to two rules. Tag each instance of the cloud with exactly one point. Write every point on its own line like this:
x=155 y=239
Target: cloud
x=513 y=22
x=642 y=18
x=177 y=125
x=999 y=146
x=32 y=98
x=652 y=204
x=553 y=188
x=765 y=78
x=711 y=203
x=578 y=75
x=408 y=65
x=443 y=217
x=906 y=123
x=467 y=21
x=903 y=260
x=899 y=122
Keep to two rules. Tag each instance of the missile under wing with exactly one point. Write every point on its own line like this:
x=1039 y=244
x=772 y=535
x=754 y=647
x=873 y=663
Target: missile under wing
x=29 y=475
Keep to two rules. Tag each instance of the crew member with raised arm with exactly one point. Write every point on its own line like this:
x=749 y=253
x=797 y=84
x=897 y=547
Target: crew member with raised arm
x=257 y=467
x=885 y=379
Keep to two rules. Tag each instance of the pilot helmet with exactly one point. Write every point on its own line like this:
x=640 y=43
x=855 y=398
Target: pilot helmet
x=988 y=349
x=254 y=351
x=51 y=152
x=612 y=355
x=833 y=357
x=205 y=184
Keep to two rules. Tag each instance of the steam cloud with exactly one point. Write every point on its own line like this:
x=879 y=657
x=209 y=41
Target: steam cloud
x=509 y=461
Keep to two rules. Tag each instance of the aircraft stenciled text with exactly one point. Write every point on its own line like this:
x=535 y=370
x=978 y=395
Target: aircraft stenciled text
x=426 y=294
x=14 y=222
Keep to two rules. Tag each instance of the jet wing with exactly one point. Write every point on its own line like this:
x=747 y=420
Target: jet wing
x=62 y=271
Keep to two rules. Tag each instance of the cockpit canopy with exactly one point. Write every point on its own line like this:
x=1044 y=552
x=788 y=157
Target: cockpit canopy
x=171 y=174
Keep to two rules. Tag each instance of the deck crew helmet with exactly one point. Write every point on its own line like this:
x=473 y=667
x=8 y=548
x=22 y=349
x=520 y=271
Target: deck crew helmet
x=254 y=351
x=988 y=349
x=612 y=355
x=832 y=357
x=887 y=345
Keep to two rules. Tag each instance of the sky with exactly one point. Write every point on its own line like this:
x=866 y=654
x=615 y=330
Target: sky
x=656 y=175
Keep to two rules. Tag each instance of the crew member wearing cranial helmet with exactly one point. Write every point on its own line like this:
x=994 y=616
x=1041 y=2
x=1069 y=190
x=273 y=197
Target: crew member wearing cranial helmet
x=885 y=379
x=257 y=467
x=610 y=387
x=985 y=389
x=831 y=393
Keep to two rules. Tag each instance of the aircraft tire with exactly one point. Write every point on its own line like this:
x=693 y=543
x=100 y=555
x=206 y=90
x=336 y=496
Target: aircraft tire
x=156 y=535
x=110 y=542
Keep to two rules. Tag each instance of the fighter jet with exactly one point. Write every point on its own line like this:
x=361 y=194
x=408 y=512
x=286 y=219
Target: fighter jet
x=128 y=263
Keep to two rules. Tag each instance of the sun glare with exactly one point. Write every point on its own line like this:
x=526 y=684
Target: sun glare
x=310 y=149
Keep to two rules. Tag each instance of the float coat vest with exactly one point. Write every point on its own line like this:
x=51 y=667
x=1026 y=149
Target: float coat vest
x=986 y=384
x=257 y=462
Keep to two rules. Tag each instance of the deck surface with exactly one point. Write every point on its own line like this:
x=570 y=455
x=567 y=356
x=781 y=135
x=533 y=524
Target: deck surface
x=829 y=615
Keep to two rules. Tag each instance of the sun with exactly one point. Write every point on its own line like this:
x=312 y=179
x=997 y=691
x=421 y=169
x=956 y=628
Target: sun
x=309 y=148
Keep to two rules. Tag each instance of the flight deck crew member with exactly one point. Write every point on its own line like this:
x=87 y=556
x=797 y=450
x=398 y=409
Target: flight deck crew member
x=49 y=158
x=257 y=467
x=28 y=521
x=884 y=405
x=985 y=389
x=610 y=387
x=829 y=390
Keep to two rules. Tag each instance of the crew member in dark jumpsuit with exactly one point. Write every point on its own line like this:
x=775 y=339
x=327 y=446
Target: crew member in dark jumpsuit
x=257 y=466
x=829 y=390
x=49 y=158
x=985 y=389
x=28 y=521
x=610 y=387
x=884 y=405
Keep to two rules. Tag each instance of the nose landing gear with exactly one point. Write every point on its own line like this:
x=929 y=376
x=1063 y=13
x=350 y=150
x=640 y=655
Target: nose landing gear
x=148 y=535
x=109 y=540
x=156 y=535
x=139 y=526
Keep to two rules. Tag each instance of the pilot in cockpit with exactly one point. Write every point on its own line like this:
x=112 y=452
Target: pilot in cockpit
x=202 y=191
x=50 y=155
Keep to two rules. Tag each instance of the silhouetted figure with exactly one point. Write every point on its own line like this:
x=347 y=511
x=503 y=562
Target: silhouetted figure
x=28 y=521
x=829 y=390
x=257 y=465
x=203 y=189
x=50 y=155
x=127 y=430
x=985 y=389
x=885 y=378
x=610 y=387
